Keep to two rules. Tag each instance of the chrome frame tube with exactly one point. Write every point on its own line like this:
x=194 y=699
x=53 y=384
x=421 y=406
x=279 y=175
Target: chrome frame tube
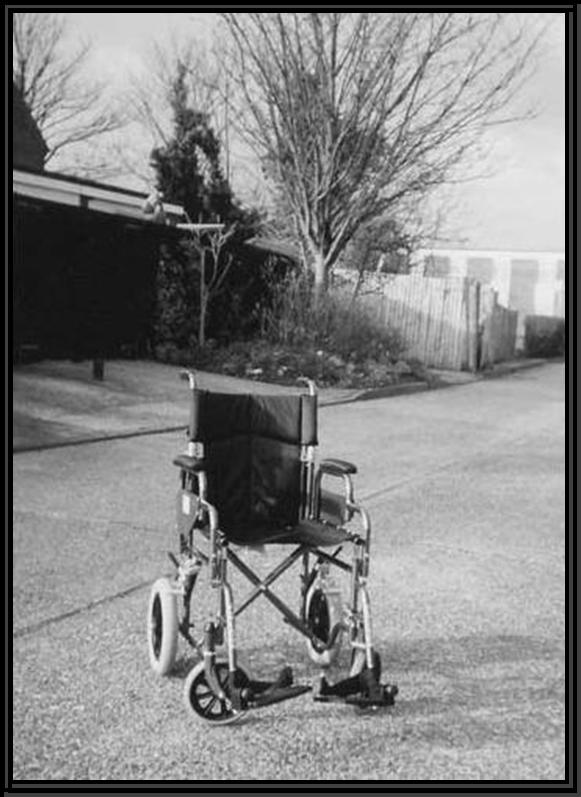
x=230 y=626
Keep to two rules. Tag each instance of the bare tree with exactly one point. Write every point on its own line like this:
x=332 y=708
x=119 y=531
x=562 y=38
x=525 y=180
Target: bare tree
x=67 y=107
x=355 y=114
x=207 y=254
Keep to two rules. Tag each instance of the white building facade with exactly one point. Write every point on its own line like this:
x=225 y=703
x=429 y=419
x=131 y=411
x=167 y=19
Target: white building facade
x=531 y=282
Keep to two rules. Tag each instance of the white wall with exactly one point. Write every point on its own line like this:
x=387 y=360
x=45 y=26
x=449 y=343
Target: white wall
x=546 y=289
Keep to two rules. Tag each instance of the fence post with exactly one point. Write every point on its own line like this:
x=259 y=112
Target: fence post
x=477 y=346
x=99 y=369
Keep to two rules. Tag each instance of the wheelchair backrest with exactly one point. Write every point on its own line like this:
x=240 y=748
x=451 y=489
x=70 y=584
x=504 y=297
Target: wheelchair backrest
x=252 y=448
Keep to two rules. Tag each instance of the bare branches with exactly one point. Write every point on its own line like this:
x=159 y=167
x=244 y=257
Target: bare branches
x=354 y=114
x=67 y=108
x=214 y=264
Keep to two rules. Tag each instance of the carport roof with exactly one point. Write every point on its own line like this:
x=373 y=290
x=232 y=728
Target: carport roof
x=76 y=192
x=275 y=247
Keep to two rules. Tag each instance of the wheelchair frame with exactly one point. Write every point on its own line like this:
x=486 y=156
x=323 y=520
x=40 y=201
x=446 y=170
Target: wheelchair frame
x=220 y=693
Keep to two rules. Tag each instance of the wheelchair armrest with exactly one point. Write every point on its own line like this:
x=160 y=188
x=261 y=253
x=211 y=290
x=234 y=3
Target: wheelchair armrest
x=190 y=464
x=328 y=505
x=337 y=467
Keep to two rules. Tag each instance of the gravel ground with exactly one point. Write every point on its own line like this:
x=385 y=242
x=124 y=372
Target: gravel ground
x=466 y=492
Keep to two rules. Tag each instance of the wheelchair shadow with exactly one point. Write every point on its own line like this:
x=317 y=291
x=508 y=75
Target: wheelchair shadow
x=462 y=659
x=463 y=691
x=473 y=690
x=453 y=691
x=183 y=666
x=452 y=654
x=445 y=657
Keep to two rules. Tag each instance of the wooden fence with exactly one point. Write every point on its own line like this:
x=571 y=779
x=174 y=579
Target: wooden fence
x=450 y=323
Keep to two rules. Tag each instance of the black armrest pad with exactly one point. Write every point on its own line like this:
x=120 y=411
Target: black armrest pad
x=191 y=464
x=337 y=467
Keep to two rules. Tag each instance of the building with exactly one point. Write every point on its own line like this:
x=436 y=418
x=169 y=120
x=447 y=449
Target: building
x=28 y=146
x=531 y=282
x=84 y=256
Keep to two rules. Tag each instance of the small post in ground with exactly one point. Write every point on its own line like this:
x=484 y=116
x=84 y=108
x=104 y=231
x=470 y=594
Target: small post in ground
x=99 y=369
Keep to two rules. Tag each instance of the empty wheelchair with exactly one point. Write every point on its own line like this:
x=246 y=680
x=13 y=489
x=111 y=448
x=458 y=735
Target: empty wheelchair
x=250 y=478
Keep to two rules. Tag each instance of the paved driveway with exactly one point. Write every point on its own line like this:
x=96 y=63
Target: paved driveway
x=466 y=491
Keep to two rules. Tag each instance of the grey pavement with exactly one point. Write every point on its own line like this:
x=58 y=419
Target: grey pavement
x=465 y=489
x=59 y=403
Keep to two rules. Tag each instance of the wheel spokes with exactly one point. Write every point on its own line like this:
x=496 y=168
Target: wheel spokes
x=202 y=699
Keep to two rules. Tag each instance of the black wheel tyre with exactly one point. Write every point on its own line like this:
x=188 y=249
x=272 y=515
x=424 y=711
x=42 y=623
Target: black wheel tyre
x=323 y=611
x=162 y=626
x=201 y=700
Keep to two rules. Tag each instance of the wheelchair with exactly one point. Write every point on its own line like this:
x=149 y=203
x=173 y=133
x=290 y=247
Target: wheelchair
x=250 y=478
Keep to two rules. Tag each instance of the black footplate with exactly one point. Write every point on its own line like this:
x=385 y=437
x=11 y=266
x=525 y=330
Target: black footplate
x=361 y=690
x=264 y=693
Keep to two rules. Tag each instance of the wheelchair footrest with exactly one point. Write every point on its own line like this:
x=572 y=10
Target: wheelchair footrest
x=278 y=695
x=385 y=696
x=360 y=690
x=263 y=693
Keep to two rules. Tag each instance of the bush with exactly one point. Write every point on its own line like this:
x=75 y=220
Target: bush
x=332 y=340
x=175 y=322
x=544 y=336
x=331 y=324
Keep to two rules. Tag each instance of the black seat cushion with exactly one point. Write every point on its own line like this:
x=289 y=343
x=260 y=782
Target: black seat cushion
x=306 y=532
x=316 y=534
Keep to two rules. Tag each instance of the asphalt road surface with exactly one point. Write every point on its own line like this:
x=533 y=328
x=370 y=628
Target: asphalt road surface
x=466 y=492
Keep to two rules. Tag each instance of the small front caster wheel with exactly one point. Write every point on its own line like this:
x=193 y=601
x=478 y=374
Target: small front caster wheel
x=201 y=700
x=162 y=626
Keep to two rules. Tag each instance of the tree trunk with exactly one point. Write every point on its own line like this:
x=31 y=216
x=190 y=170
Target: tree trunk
x=203 y=301
x=320 y=274
x=202 y=326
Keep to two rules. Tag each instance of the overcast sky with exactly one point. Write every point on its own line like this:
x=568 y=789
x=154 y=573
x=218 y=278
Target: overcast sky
x=520 y=206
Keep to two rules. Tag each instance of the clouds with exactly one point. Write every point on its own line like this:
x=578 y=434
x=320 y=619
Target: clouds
x=521 y=205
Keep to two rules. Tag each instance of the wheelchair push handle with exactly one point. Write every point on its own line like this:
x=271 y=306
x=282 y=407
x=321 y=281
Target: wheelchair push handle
x=303 y=380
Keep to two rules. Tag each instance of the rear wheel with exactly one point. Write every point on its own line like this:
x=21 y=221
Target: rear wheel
x=162 y=626
x=201 y=699
x=323 y=613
